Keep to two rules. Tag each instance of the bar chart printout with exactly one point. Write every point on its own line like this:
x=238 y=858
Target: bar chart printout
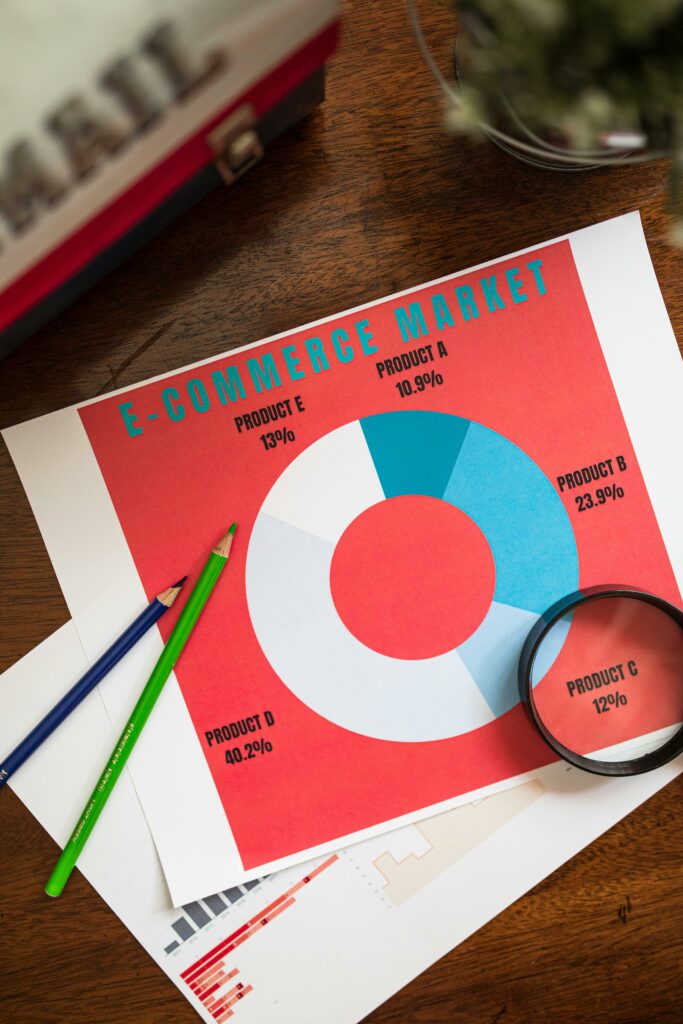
x=218 y=903
x=210 y=979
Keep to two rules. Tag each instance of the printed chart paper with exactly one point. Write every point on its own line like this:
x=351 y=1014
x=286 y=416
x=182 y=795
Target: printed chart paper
x=413 y=894
x=410 y=483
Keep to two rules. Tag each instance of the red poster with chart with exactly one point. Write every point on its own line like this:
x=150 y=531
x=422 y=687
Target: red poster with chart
x=414 y=483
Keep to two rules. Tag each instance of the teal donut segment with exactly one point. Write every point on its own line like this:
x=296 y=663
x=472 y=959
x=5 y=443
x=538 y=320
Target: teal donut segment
x=414 y=451
x=519 y=512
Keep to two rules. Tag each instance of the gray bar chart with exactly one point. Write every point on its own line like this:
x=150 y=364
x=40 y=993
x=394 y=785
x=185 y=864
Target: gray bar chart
x=215 y=904
x=234 y=895
x=199 y=913
x=195 y=911
x=183 y=928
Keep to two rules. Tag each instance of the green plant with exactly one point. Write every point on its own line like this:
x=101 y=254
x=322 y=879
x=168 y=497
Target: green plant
x=600 y=81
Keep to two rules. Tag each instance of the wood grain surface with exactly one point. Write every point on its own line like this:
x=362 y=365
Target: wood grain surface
x=364 y=198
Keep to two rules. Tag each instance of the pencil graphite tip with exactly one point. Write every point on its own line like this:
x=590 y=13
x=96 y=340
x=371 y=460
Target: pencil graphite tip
x=224 y=545
x=169 y=595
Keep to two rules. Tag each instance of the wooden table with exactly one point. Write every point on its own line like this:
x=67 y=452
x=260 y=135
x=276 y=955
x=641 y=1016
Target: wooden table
x=365 y=198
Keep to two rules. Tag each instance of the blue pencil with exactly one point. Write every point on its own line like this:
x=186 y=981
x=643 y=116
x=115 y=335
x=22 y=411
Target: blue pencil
x=130 y=636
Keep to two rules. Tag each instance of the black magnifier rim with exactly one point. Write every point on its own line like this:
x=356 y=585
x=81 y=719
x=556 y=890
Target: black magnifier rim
x=635 y=766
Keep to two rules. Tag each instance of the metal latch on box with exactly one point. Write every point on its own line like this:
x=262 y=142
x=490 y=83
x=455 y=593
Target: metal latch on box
x=235 y=143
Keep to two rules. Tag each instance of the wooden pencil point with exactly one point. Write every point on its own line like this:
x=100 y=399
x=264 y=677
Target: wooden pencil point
x=169 y=595
x=224 y=545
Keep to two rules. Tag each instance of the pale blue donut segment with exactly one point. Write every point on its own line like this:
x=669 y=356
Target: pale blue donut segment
x=327 y=486
x=414 y=451
x=491 y=654
x=549 y=649
x=517 y=509
x=327 y=668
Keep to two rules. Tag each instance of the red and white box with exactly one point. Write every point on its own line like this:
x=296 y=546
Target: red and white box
x=116 y=117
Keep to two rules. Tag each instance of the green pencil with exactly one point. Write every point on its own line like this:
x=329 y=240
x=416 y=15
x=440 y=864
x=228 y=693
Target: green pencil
x=141 y=712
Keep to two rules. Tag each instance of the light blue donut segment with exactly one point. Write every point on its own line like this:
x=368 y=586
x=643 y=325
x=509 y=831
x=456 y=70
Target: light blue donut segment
x=518 y=511
x=491 y=654
x=550 y=648
x=414 y=451
x=327 y=668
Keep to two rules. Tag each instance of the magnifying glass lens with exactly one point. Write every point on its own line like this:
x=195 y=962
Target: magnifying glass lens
x=607 y=679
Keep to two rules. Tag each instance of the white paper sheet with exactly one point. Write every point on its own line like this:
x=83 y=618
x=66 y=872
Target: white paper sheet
x=414 y=893
x=86 y=543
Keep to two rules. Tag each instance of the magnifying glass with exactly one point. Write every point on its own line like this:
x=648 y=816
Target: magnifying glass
x=601 y=676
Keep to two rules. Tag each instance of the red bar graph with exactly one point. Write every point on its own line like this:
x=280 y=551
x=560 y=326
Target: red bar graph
x=207 y=977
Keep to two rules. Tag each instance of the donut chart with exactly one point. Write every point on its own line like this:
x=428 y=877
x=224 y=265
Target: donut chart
x=308 y=509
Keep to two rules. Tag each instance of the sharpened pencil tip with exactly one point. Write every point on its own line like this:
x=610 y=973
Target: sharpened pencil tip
x=169 y=595
x=224 y=545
